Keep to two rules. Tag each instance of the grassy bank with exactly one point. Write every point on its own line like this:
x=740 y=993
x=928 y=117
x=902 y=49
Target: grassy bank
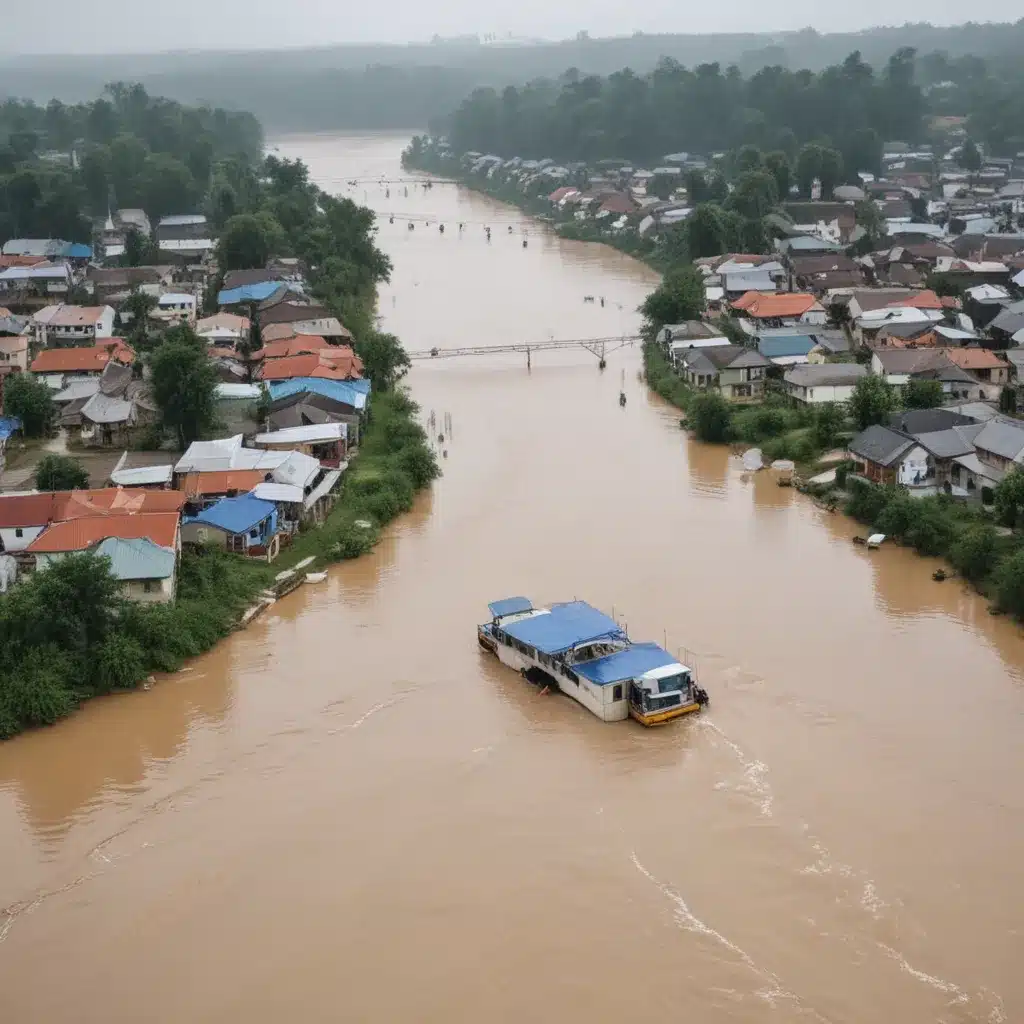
x=66 y=635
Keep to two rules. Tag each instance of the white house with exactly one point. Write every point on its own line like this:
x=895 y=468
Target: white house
x=80 y=325
x=175 y=308
x=817 y=383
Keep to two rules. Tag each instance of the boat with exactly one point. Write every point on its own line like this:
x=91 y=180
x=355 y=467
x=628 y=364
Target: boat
x=316 y=577
x=876 y=540
x=579 y=650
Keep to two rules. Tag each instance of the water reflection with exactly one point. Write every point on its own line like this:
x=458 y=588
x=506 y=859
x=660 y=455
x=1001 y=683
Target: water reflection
x=708 y=466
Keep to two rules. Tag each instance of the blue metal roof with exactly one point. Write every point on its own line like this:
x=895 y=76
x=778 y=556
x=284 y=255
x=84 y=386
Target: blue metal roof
x=248 y=293
x=236 y=515
x=778 y=346
x=137 y=558
x=634 y=661
x=340 y=391
x=565 y=626
x=510 y=606
x=77 y=251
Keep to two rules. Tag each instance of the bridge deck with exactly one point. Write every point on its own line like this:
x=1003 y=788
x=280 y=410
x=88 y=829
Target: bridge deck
x=599 y=346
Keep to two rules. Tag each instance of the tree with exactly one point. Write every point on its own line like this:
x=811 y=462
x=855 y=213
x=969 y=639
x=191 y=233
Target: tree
x=679 y=297
x=748 y=158
x=870 y=218
x=1008 y=400
x=808 y=168
x=31 y=401
x=696 y=186
x=1009 y=584
x=754 y=195
x=60 y=473
x=871 y=402
x=830 y=171
x=829 y=419
x=777 y=165
x=245 y=243
x=134 y=312
x=705 y=233
x=385 y=362
x=969 y=158
x=973 y=553
x=923 y=394
x=139 y=251
x=166 y=186
x=184 y=383
x=1009 y=499
x=711 y=417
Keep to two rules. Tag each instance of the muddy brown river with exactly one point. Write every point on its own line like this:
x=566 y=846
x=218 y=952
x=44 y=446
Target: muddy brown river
x=349 y=813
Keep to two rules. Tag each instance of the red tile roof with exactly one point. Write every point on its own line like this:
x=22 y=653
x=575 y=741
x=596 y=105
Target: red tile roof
x=975 y=359
x=926 y=299
x=118 y=501
x=83 y=360
x=301 y=344
x=764 y=305
x=78 y=534
x=337 y=363
x=28 y=509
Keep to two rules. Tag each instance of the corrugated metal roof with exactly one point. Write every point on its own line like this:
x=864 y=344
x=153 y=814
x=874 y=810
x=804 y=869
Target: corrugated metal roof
x=1002 y=437
x=236 y=515
x=79 y=534
x=137 y=558
x=349 y=392
x=880 y=445
x=278 y=493
x=142 y=475
x=222 y=481
x=312 y=433
x=108 y=409
x=331 y=478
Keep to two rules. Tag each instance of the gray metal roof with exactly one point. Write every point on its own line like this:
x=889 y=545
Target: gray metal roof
x=107 y=409
x=1003 y=437
x=922 y=421
x=880 y=445
x=947 y=444
x=822 y=374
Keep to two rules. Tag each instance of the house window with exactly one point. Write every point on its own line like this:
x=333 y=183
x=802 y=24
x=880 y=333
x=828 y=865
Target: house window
x=19 y=532
x=254 y=534
x=149 y=586
x=617 y=692
x=741 y=390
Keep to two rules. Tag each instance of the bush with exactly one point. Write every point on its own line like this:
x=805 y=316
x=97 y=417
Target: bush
x=60 y=473
x=711 y=417
x=973 y=553
x=842 y=471
x=1009 y=584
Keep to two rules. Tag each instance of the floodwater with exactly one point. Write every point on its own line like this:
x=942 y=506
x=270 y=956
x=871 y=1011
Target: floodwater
x=349 y=812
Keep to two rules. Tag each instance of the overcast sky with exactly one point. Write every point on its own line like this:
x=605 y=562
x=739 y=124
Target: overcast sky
x=112 y=26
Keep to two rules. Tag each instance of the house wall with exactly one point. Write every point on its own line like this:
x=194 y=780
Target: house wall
x=10 y=541
x=916 y=469
x=14 y=351
x=159 y=592
x=821 y=393
x=817 y=317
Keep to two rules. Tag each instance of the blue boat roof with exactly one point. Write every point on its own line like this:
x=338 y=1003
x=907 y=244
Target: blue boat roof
x=510 y=606
x=566 y=625
x=634 y=661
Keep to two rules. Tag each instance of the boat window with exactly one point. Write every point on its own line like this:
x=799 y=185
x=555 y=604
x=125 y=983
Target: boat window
x=617 y=692
x=669 y=684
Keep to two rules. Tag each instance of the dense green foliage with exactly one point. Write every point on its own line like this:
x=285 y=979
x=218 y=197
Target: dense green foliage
x=130 y=149
x=184 y=382
x=711 y=417
x=60 y=473
x=678 y=298
x=402 y=86
x=710 y=108
x=871 y=402
x=31 y=400
x=923 y=394
x=66 y=634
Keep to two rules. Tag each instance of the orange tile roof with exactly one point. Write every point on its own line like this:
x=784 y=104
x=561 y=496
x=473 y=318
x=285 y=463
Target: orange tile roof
x=91 y=359
x=28 y=509
x=975 y=358
x=277 y=332
x=926 y=299
x=6 y=262
x=78 y=534
x=764 y=305
x=337 y=363
x=301 y=344
x=221 y=481
x=116 y=501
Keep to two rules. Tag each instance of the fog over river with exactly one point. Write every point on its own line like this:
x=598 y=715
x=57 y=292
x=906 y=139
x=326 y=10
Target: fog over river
x=348 y=812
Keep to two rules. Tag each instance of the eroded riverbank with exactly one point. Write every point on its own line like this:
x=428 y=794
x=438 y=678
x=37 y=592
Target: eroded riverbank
x=350 y=791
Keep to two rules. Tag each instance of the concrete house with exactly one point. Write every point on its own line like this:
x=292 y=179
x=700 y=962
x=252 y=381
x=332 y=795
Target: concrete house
x=80 y=325
x=148 y=572
x=736 y=372
x=245 y=525
x=823 y=382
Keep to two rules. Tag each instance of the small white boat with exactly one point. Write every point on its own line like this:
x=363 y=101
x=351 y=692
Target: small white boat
x=316 y=577
x=752 y=460
x=875 y=540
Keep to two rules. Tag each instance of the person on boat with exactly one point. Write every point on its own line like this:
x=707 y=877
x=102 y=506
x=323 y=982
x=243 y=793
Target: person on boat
x=510 y=229
x=525 y=243
x=602 y=302
x=440 y=228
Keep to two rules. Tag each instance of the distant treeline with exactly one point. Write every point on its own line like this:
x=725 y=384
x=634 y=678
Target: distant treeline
x=61 y=164
x=849 y=106
x=363 y=87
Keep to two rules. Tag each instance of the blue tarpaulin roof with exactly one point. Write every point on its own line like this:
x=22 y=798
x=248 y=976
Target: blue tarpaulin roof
x=510 y=606
x=627 y=664
x=77 y=251
x=236 y=515
x=248 y=293
x=567 y=625
x=338 y=390
x=8 y=425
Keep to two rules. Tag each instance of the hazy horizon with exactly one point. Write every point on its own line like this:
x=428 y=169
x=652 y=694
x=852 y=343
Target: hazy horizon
x=115 y=27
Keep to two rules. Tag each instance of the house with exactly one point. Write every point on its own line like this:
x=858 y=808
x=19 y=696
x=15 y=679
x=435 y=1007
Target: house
x=148 y=573
x=223 y=330
x=823 y=382
x=304 y=408
x=80 y=325
x=677 y=338
x=738 y=280
x=1008 y=323
x=337 y=363
x=182 y=226
x=868 y=326
x=114 y=284
x=736 y=372
x=884 y=456
x=117 y=411
x=246 y=525
x=40 y=285
x=13 y=345
x=144 y=477
x=175 y=308
x=327 y=442
x=204 y=489
x=23 y=517
x=301 y=489
x=300 y=345
x=225 y=453
x=899 y=366
x=247 y=294
x=785 y=346
x=83 y=362
x=992 y=372
x=234 y=279
x=780 y=310
x=352 y=393
x=998 y=448
x=126 y=220
x=304 y=318
x=985 y=302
